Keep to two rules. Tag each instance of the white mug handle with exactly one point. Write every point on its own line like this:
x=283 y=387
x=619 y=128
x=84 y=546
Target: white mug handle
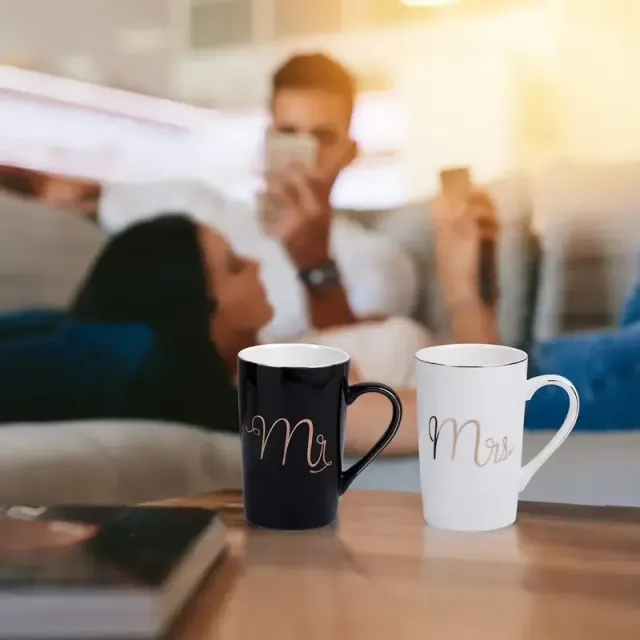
x=530 y=469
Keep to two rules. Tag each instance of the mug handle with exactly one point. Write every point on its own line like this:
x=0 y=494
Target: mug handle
x=530 y=469
x=353 y=393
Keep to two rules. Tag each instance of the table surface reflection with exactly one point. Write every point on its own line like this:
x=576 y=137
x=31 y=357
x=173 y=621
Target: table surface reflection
x=562 y=572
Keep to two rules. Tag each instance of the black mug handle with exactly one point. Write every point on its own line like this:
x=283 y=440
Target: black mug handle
x=353 y=393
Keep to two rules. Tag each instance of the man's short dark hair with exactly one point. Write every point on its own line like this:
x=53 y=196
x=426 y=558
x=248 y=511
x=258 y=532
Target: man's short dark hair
x=315 y=71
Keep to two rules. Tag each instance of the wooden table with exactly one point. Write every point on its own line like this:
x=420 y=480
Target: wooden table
x=563 y=572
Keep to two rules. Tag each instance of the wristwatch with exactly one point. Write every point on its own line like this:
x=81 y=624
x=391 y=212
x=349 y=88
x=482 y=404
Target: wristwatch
x=321 y=279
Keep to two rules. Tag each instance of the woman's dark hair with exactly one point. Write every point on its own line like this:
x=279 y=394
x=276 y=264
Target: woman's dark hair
x=154 y=273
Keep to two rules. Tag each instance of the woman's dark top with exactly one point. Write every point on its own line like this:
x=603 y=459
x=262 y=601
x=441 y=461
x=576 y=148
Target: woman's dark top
x=55 y=368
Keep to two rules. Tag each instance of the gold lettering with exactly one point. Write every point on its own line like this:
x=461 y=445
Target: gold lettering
x=476 y=447
x=320 y=464
x=321 y=456
x=497 y=451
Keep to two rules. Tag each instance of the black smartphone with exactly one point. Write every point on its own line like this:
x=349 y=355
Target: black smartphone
x=488 y=272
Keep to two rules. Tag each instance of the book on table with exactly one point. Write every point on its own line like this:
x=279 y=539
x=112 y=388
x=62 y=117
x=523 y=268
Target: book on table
x=102 y=572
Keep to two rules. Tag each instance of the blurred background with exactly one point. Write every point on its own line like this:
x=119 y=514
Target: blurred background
x=161 y=105
x=150 y=89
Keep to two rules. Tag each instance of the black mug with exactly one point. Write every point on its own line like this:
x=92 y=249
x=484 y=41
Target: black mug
x=293 y=400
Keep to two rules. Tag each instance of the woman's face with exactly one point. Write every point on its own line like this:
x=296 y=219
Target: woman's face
x=234 y=283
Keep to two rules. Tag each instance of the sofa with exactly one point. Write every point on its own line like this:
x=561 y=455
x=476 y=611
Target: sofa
x=568 y=253
x=44 y=255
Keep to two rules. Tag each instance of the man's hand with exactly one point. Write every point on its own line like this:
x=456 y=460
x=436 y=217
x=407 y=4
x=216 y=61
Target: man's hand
x=301 y=216
x=296 y=211
x=460 y=225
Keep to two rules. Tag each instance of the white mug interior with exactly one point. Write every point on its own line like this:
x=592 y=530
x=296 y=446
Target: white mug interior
x=296 y=355
x=471 y=355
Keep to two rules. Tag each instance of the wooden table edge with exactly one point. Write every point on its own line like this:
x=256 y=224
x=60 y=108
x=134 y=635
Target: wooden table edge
x=230 y=502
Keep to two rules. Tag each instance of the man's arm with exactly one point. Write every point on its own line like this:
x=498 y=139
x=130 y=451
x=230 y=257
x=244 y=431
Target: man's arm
x=330 y=311
x=370 y=278
x=303 y=226
x=327 y=299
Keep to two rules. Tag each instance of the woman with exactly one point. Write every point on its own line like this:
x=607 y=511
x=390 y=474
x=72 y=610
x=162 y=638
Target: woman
x=603 y=365
x=153 y=333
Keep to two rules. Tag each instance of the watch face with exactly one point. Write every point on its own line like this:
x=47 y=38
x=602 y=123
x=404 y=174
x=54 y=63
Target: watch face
x=317 y=277
x=322 y=278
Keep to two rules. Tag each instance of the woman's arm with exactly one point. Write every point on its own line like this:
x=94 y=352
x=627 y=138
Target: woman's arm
x=472 y=321
x=458 y=232
x=458 y=227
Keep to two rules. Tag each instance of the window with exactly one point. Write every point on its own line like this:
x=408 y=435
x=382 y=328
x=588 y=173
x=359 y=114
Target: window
x=221 y=23
x=304 y=17
x=372 y=14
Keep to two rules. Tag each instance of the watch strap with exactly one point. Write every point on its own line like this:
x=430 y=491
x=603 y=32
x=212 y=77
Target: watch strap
x=322 y=278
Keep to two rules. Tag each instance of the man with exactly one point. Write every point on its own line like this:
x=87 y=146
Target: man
x=321 y=270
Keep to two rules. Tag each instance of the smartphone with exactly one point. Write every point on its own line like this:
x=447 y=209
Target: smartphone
x=281 y=150
x=457 y=183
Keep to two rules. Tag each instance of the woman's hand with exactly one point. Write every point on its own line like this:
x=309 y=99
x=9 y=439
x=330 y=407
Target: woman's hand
x=460 y=225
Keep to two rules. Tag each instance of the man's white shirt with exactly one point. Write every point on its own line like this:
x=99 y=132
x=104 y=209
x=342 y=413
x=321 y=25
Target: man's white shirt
x=379 y=277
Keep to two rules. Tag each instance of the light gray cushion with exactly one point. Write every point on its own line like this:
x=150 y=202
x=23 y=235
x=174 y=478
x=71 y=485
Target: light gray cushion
x=44 y=253
x=114 y=462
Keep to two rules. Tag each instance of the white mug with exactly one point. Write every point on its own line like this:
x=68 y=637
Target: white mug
x=471 y=403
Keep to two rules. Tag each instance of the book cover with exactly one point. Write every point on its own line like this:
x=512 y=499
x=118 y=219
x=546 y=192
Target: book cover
x=101 y=572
